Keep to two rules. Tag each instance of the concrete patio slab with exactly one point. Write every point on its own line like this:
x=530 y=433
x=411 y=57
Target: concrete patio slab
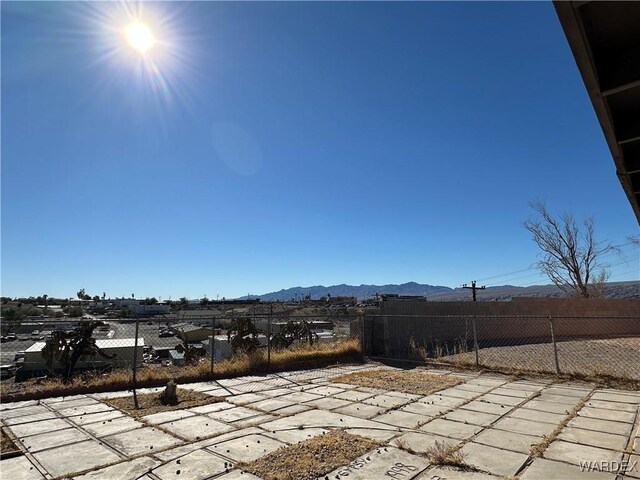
x=425 y=409
x=449 y=428
x=301 y=397
x=24 y=411
x=19 y=468
x=35 y=428
x=386 y=401
x=353 y=396
x=421 y=442
x=14 y=405
x=141 y=440
x=81 y=456
x=63 y=403
x=597 y=425
x=234 y=414
x=444 y=400
x=569 y=402
x=197 y=427
x=30 y=418
x=325 y=391
x=512 y=392
x=493 y=460
x=607 y=414
x=617 y=397
x=618 y=406
x=36 y=443
x=575 y=453
x=385 y=462
x=575 y=392
x=594 y=439
x=550 y=407
x=271 y=404
x=486 y=407
x=295 y=435
x=245 y=398
x=542 y=469
x=322 y=419
x=211 y=407
x=478 y=389
x=328 y=403
x=177 y=452
x=361 y=410
x=469 y=416
x=527 y=427
x=109 y=427
x=538 y=416
x=255 y=421
x=452 y=473
x=248 y=448
x=293 y=409
x=96 y=417
x=130 y=470
x=505 y=400
x=398 y=418
x=196 y=465
x=515 y=442
x=84 y=409
x=170 y=416
x=378 y=434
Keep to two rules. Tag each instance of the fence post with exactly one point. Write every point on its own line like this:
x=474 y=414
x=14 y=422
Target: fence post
x=555 y=347
x=475 y=340
x=362 y=330
x=135 y=365
x=269 y=338
x=213 y=341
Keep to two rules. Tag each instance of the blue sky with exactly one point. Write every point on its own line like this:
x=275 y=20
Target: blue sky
x=285 y=144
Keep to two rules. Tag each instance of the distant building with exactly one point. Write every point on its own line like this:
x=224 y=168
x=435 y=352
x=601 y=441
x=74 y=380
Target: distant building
x=191 y=333
x=150 y=310
x=123 y=349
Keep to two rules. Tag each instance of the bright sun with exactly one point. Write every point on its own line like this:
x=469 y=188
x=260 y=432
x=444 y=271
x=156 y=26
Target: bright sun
x=140 y=37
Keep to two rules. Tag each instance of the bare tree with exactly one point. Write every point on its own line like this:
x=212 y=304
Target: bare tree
x=571 y=256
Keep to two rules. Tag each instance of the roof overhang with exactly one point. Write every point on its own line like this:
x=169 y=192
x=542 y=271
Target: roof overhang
x=605 y=40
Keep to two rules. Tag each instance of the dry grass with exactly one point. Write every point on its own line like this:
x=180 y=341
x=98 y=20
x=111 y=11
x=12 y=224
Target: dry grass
x=442 y=453
x=314 y=356
x=149 y=403
x=7 y=447
x=538 y=449
x=312 y=458
x=410 y=382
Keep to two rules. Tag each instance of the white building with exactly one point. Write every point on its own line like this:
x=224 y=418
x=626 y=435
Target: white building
x=123 y=349
x=222 y=347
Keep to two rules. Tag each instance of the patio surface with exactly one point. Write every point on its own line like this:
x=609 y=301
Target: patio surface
x=494 y=418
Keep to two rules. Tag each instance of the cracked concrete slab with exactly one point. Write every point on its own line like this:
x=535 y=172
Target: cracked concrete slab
x=449 y=428
x=469 y=416
x=452 y=473
x=382 y=463
x=361 y=410
x=516 y=442
x=109 y=427
x=247 y=448
x=594 y=439
x=197 y=427
x=575 y=453
x=493 y=460
x=129 y=470
x=542 y=469
x=196 y=465
x=36 y=443
x=35 y=428
x=527 y=427
x=598 y=425
x=141 y=440
x=19 y=468
x=76 y=458
x=398 y=418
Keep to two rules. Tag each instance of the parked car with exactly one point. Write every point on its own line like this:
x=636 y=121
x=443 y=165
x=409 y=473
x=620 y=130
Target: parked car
x=12 y=336
x=35 y=333
x=3 y=339
x=166 y=333
x=7 y=371
x=19 y=356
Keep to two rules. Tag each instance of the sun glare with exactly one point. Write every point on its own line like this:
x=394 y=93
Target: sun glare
x=140 y=37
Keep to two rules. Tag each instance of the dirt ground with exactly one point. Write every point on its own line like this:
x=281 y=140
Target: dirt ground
x=410 y=382
x=312 y=458
x=150 y=402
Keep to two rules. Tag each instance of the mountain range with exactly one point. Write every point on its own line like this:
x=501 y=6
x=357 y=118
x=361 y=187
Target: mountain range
x=441 y=293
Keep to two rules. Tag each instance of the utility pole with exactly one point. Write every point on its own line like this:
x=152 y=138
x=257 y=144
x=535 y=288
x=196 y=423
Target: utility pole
x=473 y=288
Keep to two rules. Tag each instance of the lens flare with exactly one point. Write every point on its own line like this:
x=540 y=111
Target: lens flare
x=140 y=37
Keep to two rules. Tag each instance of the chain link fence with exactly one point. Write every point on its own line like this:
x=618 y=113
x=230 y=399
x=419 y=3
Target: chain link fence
x=589 y=346
x=141 y=351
